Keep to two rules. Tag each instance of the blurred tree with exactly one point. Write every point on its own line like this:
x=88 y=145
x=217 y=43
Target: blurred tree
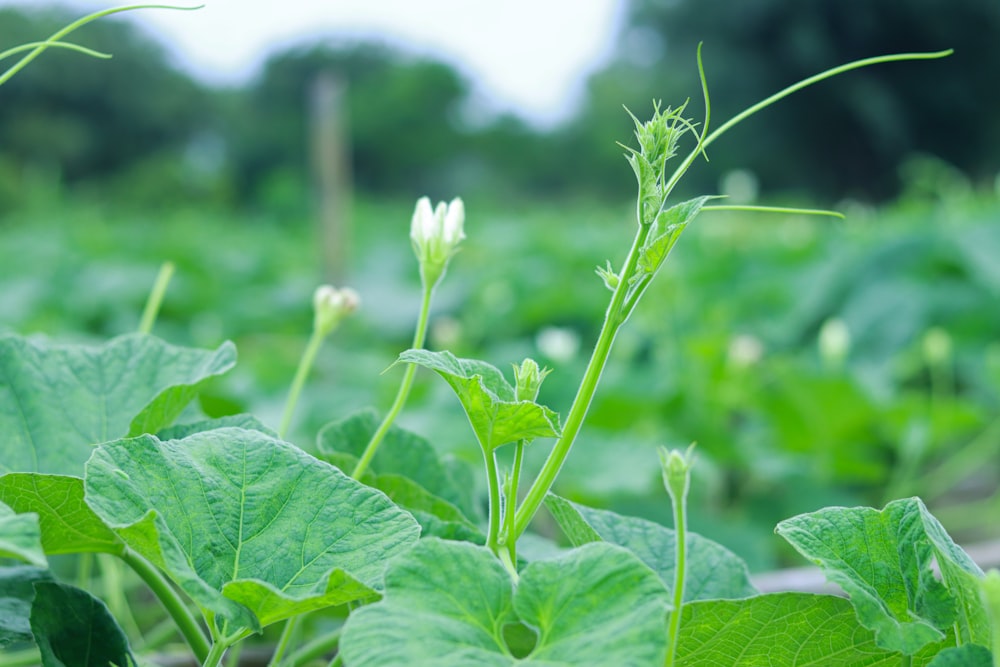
x=854 y=131
x=401 y=117
x=89 y=118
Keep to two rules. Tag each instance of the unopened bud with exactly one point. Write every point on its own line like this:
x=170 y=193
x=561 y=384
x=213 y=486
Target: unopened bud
x=676 y=469
x=528 y=377
x=937 y=346
x=331 y=305
x=834 y=342
x=435 y=234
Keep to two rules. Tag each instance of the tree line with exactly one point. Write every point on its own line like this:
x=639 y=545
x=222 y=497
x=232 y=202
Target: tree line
x=140 y=129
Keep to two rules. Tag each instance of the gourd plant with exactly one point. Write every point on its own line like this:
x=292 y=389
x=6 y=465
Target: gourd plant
x=234 y=529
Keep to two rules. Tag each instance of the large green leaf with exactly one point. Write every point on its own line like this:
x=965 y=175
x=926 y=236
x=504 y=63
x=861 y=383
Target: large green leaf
x=252 y=528
x=712 y=570
x=74 y=629
x=400 y=453
x=497 y=418
x=16 y=594
x=884 y=561
x=68 y=525
x=786 y=629
x=57 y=401
x=20 y=537
x=449 y=604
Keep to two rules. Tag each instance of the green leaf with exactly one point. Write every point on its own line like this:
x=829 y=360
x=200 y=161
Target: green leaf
x=666 y=230
x=401 y=453
x=57 y=401
x=884 y=561
x=252 y=528
x=786 y=629
x=489 y=402
x=68 y=525
x=966 y=655
x=450 y=604
x=249 y=422
x=16 y=593
x=74 y=629
x=712 y=570
x=20 y=537
x=436 y=516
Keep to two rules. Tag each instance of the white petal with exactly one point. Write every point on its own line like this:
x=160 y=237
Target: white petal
x=454 y=221
x=423 y=220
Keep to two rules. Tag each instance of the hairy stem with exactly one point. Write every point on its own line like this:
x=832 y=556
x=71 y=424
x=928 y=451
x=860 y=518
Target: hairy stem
x=155 y=299
x=613 y=320
x=419 y=336
x=172 y=602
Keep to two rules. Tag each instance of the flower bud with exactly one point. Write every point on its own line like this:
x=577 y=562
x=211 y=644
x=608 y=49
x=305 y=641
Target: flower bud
x=529 y=379
x=435 y=234
x=676 y=470
x=834 y=342
x=937 y=346
x=331 y=305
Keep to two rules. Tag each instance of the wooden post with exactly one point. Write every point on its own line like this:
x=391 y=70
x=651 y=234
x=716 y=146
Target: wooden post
x=330 y=145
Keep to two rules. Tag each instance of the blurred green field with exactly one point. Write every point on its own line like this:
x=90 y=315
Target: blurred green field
x=723 y=351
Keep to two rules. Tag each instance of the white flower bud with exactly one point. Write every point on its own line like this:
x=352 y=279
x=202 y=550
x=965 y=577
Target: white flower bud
x=331 y=305
x=435 y=234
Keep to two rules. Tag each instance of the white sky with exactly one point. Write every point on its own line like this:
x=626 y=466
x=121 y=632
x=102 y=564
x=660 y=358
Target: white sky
x=529 y=56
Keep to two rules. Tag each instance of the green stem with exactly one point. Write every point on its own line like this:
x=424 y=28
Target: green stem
x=286 y=637
x=613 y=320
x=172 y=602
x=55 y=37
x=59 y=45
x=214 y=656
x=493 y=481
x=680 y=573
x=155 y=299
x=337 y=661
x=84 y=567
x=419 y=336
x=113 y=582
x=305 y=365
x=785 y=92
x=772 y=209
x=317 y=648
x=509 y=535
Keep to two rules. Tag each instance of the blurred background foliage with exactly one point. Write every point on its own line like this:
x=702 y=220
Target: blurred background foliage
x=108 y=168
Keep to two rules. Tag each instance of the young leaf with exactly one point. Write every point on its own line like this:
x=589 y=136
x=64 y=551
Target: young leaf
x=252 y=528
x=787 y=629
x=57 y=401
x=712 y=570
x=20 y=537
x=74 y=629
x=667 y=229
x=16 y=593
x=450 y=604
x=68 y=525
x=883 y=560
x=496 y=416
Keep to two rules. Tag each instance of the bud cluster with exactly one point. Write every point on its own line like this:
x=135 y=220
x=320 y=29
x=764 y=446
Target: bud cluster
x=657 y=139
